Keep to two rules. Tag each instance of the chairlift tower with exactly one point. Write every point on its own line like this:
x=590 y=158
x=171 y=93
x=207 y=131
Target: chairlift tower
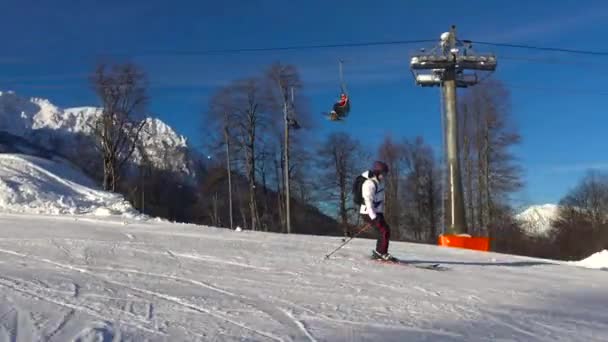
x=446 y=66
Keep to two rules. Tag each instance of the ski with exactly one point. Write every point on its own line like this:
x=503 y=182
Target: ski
x=426 y=266
x=331 y=117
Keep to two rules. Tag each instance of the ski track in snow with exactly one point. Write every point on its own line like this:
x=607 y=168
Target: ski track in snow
x=29 y=293
x=300 y=325
x=136 y=289
x=85 y=280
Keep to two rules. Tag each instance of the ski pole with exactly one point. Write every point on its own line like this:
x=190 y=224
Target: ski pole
x=364 y=228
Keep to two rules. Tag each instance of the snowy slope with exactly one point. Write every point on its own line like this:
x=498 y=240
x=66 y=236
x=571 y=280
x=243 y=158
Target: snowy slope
x=537 y=219
x=69 y=132
x=90 y=280
x=597 y=260
x=31 y=184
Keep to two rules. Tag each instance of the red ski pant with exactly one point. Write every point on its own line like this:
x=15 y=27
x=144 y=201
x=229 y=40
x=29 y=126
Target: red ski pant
x=385 y=232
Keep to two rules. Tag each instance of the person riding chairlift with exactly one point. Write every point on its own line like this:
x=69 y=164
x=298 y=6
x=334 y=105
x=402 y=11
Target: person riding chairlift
x=341 y=108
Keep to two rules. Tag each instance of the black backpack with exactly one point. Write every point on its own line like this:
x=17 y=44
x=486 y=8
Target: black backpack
x=358 y=190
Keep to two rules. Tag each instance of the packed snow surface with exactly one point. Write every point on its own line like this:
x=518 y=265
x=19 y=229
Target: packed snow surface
x=87 y=279
x=36 y=185
x=596 y=260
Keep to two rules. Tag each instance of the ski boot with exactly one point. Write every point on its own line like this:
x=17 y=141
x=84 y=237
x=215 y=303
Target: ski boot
x=383 y=257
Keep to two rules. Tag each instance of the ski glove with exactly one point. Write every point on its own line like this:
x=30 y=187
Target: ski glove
x=373 y=216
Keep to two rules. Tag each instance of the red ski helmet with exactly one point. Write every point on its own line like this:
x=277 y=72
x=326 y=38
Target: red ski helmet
x=379 y=167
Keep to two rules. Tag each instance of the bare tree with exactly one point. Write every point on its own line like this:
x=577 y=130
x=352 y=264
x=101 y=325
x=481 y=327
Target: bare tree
x=491 y=172
x=265 y=167
x=287 y=102
x=581 y=227
x=467 y=135
x=251 y=100
x=121 y=89
x=253 y=110
x=421 y=194
x=339 y=162
x=240 y=111
x=302 y=178
x=221 y=115
x=392 y=154
x=280 y=180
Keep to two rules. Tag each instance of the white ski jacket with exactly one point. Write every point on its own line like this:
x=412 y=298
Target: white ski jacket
x=373 y=196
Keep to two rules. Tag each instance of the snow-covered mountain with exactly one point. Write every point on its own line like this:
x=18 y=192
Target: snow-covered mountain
x=537 y=219
x=69 y=132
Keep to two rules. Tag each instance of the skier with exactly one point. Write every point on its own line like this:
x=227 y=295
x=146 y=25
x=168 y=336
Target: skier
x=341 y=108
x=372 y=209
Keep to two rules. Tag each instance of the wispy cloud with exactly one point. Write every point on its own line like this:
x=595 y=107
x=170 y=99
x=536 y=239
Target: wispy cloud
x=573 y=167
x=48 y=77
x=552 y=24
x=319 y=71
x=11 y=60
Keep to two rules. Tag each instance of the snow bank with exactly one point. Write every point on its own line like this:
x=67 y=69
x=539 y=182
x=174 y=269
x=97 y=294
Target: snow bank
x=598 y=260
x=33 y=185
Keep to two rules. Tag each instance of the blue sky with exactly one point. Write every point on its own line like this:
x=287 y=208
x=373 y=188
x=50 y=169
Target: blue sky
x=50 y=47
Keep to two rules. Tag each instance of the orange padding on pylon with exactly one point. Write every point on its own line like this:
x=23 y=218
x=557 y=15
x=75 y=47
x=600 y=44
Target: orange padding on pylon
x=465 y=241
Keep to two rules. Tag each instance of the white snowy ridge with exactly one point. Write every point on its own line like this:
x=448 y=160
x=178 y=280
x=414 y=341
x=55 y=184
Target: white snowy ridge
x=41 y=122
x=33 y=185
x=597 y=260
